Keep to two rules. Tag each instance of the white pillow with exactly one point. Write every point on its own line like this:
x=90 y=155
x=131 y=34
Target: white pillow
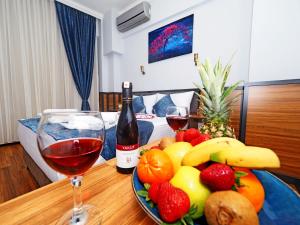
x=110 y=119
x=83 y=123
x=183 y=99
x=59 y=110
x=149 y=101
x=109 y=116
x=58 y=118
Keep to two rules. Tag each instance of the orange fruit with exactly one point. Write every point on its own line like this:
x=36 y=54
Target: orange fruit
x=251 y=188
x=155 y=166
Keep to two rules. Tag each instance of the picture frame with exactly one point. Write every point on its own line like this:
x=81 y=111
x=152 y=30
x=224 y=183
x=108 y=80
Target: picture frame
x=171 y=40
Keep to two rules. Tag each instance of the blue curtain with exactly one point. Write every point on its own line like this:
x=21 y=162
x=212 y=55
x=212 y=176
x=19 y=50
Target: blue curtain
x=78 y=31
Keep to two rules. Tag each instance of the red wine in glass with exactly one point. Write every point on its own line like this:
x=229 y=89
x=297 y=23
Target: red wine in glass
x=72 y=156
x=177 y=117
x=177 y=122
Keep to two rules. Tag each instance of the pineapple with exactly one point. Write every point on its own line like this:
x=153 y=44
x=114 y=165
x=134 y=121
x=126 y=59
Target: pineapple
x=214 y=99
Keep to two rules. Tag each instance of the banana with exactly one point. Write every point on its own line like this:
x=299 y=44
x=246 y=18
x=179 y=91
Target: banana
x=248 y=156
x=201 y=152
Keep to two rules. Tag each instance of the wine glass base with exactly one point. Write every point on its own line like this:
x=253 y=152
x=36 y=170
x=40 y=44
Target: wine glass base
x=90 y=215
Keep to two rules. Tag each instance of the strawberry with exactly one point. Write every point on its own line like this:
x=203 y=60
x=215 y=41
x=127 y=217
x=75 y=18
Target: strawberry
x=205 y=137
x=200 y=139
x=180 y=136
x=218 y=177
x=153 y=192
x=173 y=203
x=191 y=134
x=164 y=188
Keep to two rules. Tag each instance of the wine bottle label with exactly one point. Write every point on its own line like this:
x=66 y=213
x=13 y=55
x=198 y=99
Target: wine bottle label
x=127 y=155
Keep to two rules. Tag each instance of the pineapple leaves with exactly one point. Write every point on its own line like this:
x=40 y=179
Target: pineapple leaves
x=206 y=101
x=215 y=99
x=202 y=91
x=234 y=100
x=207 y=66
x=218 y=68
x=204 y=77
x=205 y=110
x=229 y=90
x=225 y=72
x=204 y=95
x=229 y=101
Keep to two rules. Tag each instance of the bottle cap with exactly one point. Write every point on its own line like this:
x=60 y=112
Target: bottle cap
x=127 y=84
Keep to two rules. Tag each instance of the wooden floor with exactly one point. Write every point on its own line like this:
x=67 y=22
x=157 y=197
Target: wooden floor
x=15 y=178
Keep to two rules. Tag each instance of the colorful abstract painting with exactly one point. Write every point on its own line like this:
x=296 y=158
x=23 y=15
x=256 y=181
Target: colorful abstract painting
x=171 y=40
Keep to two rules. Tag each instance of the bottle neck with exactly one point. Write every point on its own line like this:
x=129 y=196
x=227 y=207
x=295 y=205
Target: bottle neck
x=125 y=100
x=126 y=93
x=126 y=103
x=126 y=97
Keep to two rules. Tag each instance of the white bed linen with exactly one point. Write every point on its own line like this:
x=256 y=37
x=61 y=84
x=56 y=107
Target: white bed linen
x=161 y=128
x=28 y=140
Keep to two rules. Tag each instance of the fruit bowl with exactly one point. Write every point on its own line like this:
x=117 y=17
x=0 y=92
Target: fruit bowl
x=281 y=206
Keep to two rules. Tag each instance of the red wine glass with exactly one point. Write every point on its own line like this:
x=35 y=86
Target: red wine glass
x=177 y=117
x=70 y=143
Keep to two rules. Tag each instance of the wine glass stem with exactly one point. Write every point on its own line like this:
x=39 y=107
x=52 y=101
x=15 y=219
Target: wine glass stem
x=77 y=209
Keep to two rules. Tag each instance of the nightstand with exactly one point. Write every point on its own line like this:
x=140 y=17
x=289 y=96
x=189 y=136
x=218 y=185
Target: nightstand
x=195 y=121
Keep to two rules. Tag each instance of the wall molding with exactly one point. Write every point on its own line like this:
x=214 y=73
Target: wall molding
x=151 y=92
x=109 y=101
x=273 y=82
x=82 y=8
x=244 y=102
x=243 y=115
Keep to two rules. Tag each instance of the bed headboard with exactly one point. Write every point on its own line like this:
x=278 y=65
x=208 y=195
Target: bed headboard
x=109 y=101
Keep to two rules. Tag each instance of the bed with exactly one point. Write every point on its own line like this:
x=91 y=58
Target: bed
x=44 y=174
x=27 y=139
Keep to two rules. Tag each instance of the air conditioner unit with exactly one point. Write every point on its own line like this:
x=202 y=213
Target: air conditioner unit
x=134 y=17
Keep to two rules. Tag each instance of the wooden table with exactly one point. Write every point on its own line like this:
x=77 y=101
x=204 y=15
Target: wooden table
x=102 y=186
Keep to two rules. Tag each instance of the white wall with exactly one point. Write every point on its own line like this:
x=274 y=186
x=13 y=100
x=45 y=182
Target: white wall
x=264 y=34
x=221 y=28
x=275 y=46
x=112 y=49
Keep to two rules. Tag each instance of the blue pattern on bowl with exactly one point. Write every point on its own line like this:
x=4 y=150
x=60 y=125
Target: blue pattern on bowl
x=281 y=206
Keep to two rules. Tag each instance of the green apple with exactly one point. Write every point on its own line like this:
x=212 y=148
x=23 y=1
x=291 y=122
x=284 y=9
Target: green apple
x=187 y=178
x=176 y=152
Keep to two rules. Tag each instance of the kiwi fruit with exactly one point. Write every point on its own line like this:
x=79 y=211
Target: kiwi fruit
x=229 y=208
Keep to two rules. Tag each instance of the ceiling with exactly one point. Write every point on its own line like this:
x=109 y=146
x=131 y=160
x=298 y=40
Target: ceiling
x=102 y=6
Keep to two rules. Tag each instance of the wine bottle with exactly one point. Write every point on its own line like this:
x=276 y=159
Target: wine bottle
x=127 y=135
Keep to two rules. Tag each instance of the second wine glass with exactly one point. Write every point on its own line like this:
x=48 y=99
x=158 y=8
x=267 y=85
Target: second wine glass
x=177 y=117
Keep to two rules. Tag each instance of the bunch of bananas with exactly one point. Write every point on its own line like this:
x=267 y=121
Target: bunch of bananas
x=231 y=152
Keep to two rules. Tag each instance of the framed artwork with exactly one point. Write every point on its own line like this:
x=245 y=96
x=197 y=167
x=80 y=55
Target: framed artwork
x=171 y=40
